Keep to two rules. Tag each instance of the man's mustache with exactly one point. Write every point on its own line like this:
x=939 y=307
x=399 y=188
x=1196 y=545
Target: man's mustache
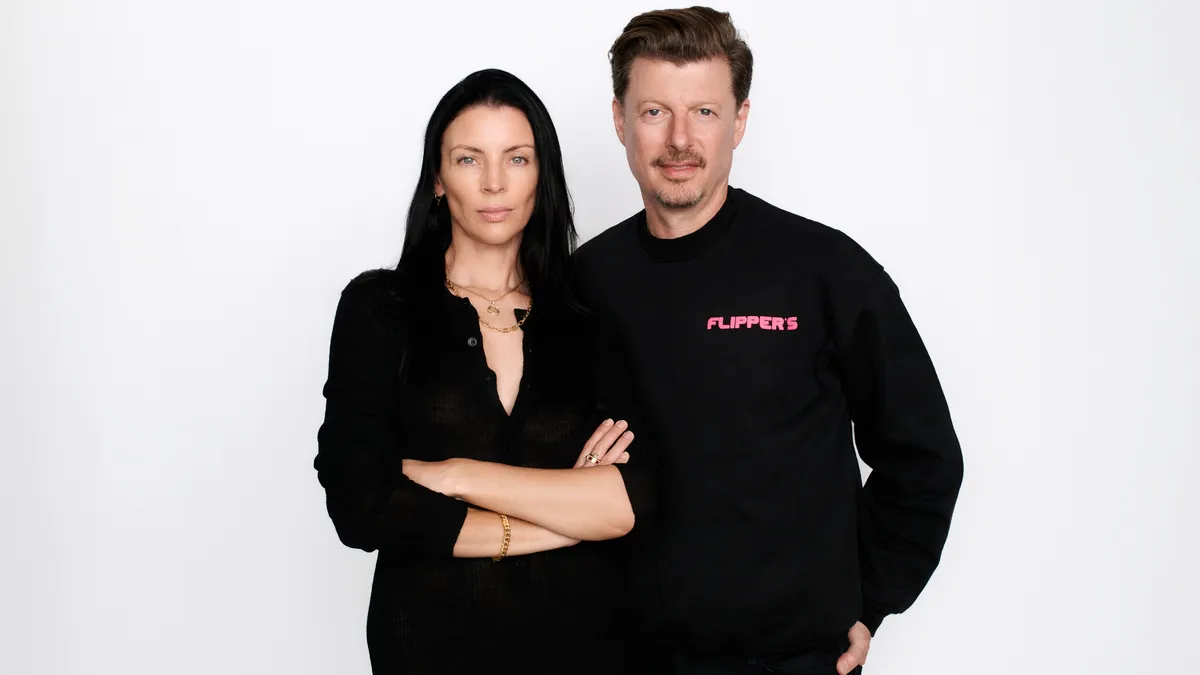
x=680 y=158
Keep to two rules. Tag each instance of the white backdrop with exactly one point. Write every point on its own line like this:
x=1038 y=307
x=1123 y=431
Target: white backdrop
x=187 y=186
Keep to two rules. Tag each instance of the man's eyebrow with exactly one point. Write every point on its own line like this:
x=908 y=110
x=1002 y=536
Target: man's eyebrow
x=696 y=104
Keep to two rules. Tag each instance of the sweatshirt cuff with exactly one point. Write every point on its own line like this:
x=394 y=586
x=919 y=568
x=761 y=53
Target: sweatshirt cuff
x=872 y=616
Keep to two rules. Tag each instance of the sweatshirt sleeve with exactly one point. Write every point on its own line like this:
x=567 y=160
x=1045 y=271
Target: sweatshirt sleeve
x=617 y=398
x=903 y=431
x=617 y=393
x=372 y=504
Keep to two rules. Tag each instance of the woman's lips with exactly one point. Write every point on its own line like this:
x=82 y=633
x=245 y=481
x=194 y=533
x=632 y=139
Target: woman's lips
x=494 y=215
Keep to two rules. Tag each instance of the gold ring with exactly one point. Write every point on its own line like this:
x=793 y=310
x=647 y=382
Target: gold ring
x=591 y=458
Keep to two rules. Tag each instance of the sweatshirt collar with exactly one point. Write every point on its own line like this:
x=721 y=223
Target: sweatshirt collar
x=690 y=245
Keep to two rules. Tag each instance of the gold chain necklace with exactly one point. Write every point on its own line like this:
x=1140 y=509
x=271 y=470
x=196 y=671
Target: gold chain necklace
x=509 y=329
x=454 y=288
x=491 y=308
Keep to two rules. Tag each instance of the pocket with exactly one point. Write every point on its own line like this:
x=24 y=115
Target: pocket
x=817 y=661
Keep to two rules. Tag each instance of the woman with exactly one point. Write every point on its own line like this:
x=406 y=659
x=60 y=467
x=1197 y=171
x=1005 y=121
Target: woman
x=463 y=435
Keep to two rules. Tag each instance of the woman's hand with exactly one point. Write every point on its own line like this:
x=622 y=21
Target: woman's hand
x=579 y=505
x=608 y=445
x=437 y=476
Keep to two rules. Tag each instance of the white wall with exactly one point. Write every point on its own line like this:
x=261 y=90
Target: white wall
x=187 y=186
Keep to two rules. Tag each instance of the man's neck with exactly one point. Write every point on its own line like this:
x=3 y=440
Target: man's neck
x=664 y=222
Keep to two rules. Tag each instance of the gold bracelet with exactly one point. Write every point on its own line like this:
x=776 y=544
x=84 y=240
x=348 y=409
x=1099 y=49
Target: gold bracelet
x=507 y=538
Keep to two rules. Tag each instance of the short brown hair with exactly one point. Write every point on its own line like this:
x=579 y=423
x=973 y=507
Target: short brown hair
x=682 y=36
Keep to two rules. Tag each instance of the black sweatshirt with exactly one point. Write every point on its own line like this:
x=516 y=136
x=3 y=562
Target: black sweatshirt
x=765 y=346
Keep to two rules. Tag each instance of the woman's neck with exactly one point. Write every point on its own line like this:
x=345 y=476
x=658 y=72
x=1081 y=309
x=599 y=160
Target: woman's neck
x=487 y=269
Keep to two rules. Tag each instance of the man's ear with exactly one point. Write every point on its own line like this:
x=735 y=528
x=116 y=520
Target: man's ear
x=739 y=122
x=618 y=111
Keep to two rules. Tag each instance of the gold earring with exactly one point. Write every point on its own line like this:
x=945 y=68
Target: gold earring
x=437 y=199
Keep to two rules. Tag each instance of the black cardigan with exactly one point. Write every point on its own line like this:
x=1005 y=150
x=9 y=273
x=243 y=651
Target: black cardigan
x=408 y=378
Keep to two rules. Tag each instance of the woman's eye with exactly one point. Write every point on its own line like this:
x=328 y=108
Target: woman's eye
x=466 y=160
x=520 y=160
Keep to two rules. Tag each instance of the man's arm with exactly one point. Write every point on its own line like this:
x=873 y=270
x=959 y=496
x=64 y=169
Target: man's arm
x=903 y=431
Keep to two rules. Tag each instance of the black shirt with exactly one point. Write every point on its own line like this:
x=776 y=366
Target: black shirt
x=408 y=378
x=766 y=345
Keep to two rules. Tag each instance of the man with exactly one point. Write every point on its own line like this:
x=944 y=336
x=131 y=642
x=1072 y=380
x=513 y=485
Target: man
x=765 y=347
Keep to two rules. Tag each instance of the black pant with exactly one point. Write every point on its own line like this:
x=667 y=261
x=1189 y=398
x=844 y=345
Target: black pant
x=818 y=661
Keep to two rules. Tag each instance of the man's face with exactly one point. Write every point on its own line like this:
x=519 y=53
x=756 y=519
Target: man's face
x=679 y=126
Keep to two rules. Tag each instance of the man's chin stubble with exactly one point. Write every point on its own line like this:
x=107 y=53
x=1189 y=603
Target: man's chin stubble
x=678 y=201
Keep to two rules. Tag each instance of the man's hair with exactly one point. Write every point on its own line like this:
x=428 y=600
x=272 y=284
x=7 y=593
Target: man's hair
x=682 y=36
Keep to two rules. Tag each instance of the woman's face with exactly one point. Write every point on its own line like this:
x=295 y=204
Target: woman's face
x=489 y=173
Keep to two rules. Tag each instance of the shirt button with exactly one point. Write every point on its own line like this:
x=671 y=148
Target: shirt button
x=471 y=342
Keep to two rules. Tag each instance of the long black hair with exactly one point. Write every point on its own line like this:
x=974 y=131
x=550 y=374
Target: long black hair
x=549 y=238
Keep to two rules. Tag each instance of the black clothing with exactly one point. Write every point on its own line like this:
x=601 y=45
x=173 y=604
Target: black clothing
x=757 y=341
x=408 y=378
x=816 y=661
